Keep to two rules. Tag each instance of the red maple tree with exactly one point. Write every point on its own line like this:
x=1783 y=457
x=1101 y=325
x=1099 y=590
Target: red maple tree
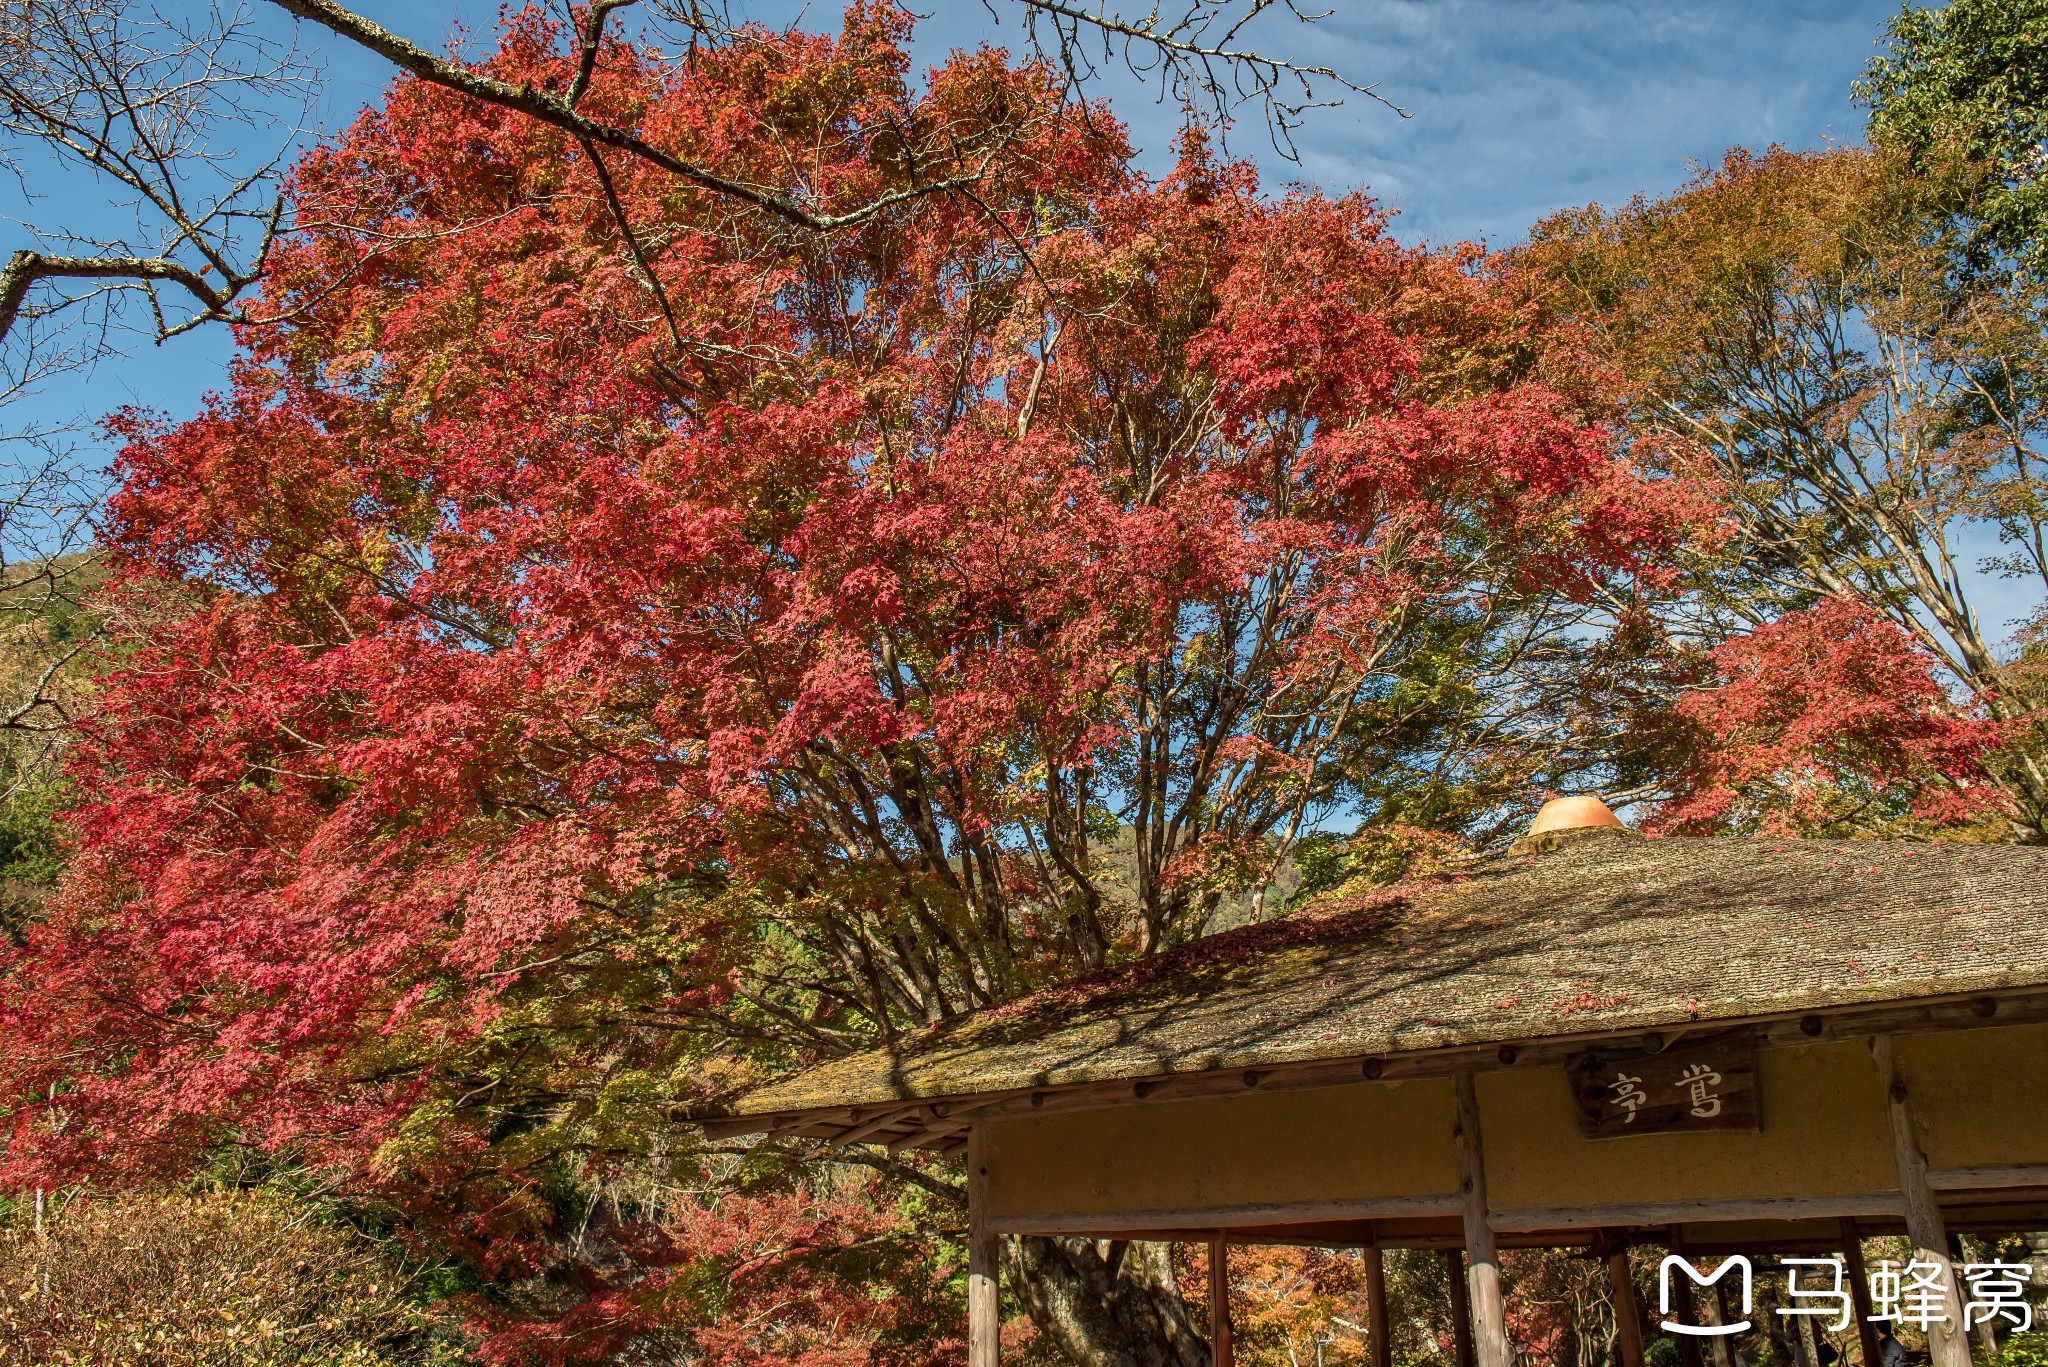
x=1830 y=721
x=608 y=645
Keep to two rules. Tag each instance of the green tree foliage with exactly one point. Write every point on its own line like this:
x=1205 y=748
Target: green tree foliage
x=46 y=638
x=1971 y=79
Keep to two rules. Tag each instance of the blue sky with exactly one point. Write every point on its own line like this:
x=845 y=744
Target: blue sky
x=1519 y=107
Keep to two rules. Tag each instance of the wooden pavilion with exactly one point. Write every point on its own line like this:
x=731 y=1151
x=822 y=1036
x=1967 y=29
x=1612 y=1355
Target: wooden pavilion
x=1595 y=1039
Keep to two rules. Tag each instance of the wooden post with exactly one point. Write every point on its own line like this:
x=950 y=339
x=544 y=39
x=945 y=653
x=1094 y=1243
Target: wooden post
x=1377 y=1320
x=1482 y=1263
x=1628 y=1317
x=1221 y=1352
x=1947 y=1344
x=1809 y=1340
x=1714 y=1311
x=1985 y=1330
x=1859 y=1293
x=984 y=1313
x=1682 y=1309
x=1987 y=1337
x=1461 y=1310
x=1683 y=1312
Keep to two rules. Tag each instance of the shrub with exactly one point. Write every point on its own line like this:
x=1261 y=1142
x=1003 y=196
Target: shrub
x=2025 y=1350
x=219 y=1280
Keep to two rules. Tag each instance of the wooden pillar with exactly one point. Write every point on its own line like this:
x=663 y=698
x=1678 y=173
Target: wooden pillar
x=1947 y=1344
x=984 y=1314
x=1987 y=1337
x=1808 y=1339
x=1461 y=1310
x=1859 y=1293
x=1986 y=1330
x=1682 y=1309
x=1683 y=1312
x=1714 y=1311
x=1628 y=1316
x=1482 y=1263
x=1221 y=1351
x=1378 y=1321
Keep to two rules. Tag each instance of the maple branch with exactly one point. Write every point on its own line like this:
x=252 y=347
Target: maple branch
x=593 y=40
x=898 y=1169
x=39 y=697
x=632 y=240
x=559 y=113
x=1168 y=40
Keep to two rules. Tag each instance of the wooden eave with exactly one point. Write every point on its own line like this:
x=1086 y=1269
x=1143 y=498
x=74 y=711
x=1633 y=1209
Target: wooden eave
x=940 y=1123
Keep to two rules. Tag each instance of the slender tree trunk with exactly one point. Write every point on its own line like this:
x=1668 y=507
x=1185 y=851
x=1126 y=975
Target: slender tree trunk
x=1113 y=1306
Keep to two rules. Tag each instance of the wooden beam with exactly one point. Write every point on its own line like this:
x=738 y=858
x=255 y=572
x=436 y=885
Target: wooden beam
x=984 y=1285
x=1989 y=1177
x=930 y=1137
x=732 y=1126
x=1461 y=1309
x=1108 y=1222
x=1222 y=1351
x=1686 y=1212
x=886 y=1120
x=1859 y=1293
x=1482 y=1263
x=1947 y=1344
x=943 y=1107
x=1561 y=1225
x=1378 y=1323
x=1628 y=1315
x=771 y=1125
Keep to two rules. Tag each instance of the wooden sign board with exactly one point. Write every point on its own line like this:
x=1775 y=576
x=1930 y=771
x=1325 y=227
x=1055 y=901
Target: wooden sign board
x=1701 y=1082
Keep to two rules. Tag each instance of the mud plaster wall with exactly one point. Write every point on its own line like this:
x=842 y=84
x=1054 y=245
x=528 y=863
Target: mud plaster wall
x=1981 y=1097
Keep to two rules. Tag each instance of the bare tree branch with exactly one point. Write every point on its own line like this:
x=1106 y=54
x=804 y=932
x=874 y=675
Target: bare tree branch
x=27 y=266
x=145 y=105
x=1194 y=55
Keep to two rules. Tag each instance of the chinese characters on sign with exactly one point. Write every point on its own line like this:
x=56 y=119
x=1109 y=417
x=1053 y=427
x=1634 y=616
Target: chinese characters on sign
x=1705 y=1082
x=1912 y=1294
x=1700 y=1081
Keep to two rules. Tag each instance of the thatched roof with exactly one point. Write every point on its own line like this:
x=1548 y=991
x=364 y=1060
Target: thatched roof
x=1592 y=931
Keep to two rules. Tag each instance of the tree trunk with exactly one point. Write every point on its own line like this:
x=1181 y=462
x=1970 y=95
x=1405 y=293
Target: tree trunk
x=1117 y=1305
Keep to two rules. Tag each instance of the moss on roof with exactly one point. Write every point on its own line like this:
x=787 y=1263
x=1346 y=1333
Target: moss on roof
x=1594 y=930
